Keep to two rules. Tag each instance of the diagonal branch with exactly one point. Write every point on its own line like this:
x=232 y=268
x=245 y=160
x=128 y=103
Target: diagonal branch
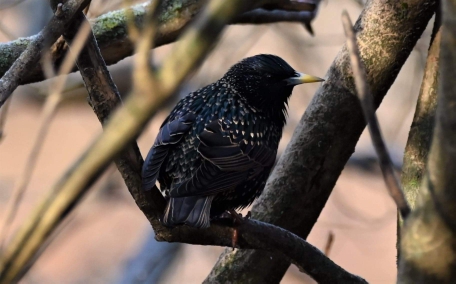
x=326 y=135
x=122 y=128
x=32 y=54
x=49 y=108
x=254 y=234
x=111 y=32
x=365 y=97
x=104 y=98
x=71 y=188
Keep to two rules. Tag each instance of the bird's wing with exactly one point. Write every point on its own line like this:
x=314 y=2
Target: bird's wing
x=170 y=133
x=226 y=164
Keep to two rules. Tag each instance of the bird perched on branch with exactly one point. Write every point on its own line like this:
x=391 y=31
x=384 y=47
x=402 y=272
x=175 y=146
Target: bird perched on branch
x=217 y=147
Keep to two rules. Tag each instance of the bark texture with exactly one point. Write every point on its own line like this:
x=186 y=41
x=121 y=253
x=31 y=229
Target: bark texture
x=111 y=32
x=420 y=135
x=428 y=238
x=326 y=136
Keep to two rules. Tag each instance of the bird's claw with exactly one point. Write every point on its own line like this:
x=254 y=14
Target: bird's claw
x=238 y=219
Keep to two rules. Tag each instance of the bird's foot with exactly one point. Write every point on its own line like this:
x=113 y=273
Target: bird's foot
x=238 y=219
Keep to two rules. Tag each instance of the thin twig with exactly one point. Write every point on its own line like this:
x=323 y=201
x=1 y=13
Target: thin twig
x=124 y=126
x=144 y=79
x=47 y=115
x=262 y=16
x=115 y=42
x=254 y=234
x=365 y=98
x=121 y=129
x=30 y=57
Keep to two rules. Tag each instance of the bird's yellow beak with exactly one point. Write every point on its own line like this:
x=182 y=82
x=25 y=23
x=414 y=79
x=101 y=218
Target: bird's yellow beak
x=302 y=78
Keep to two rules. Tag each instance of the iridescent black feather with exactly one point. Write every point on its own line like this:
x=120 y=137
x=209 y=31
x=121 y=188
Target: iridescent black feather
x=216 y=149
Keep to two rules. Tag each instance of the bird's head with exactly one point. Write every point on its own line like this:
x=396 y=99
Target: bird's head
x=266 y=82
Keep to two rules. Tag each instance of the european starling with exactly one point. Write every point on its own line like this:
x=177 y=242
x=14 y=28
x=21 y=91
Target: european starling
x=217 y=147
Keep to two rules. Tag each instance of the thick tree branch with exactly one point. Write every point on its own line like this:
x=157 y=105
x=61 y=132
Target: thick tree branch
x=254 y=234
x=421 y=130
x=121 y=130
x=111 y=32
x=326 y=136
x=428 y=246
x=32 y=54
x=365 y=98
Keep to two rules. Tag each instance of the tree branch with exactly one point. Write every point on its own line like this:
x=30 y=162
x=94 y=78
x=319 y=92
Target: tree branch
x=32 y=54
x=428 y=250
x=104 y=98
x=422 y=128
x=47 y=114
x=421 y=131
x=119 y=132
x=262 y=16
x=111 y=33
x=325 y=138
x=254 y=234
x=364 y=96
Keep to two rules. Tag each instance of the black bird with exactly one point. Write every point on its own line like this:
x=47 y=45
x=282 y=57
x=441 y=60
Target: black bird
x=216 y=149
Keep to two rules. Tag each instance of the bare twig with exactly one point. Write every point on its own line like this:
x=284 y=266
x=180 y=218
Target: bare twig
x=144 y=79
x=262 y=16
x=73 y=185
x=365 y=98
x=254 y=234
x=47 y=114
x=30 y=57
x=122 y=128
x=113 y=39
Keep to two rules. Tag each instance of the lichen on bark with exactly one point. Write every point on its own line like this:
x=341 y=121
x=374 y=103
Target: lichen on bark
x=420 y=135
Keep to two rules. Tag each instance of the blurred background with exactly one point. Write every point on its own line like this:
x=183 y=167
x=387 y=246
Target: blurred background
x=108 y=240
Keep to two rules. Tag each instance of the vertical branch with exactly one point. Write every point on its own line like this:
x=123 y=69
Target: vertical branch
x=421 y=131
x=420 y=135
x=428 y=247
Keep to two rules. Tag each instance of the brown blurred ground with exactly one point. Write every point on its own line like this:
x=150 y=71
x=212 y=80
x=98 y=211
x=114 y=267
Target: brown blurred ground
x=107 y=229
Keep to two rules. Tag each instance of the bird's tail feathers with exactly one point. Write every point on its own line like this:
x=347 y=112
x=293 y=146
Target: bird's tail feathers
x=193 y=211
